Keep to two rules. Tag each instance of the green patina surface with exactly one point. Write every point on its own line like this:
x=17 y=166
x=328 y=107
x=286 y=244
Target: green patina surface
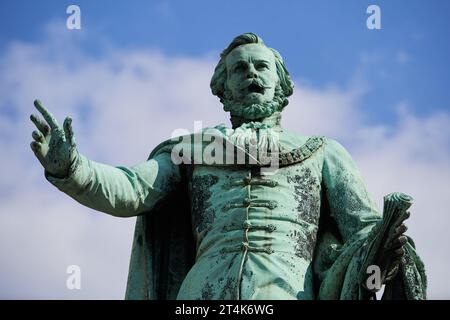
x=306 y=229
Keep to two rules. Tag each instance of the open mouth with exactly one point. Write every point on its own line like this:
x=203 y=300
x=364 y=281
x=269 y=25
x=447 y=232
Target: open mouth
x=255 y=88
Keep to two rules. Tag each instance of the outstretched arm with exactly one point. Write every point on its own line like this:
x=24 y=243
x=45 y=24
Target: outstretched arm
x=119 y=191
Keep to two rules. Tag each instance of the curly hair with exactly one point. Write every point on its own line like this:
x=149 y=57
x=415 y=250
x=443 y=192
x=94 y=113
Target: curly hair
x=219 y=77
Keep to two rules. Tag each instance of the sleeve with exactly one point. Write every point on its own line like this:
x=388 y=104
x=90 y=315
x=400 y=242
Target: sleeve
x=350 y=204
x=347 y=223
x=344 y=246
x=119 y=191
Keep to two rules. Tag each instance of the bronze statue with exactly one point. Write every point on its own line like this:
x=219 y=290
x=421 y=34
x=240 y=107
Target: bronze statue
x=251 y=212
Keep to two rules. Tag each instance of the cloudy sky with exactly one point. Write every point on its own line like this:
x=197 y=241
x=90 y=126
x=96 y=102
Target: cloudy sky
x=138 y=70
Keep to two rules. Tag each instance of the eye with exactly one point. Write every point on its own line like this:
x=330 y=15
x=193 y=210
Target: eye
x=261 y=66
x=240 y=67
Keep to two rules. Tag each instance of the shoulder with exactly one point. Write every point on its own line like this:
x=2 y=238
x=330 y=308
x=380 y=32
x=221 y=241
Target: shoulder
x=333 y=146
x=335 y=155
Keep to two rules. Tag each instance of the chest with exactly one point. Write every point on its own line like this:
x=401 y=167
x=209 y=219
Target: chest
x=291 y=193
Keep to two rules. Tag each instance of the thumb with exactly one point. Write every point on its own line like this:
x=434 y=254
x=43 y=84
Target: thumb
x=37 y=149
x=68 y=131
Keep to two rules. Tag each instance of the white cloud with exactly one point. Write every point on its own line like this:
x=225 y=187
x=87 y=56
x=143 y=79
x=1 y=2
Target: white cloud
x=415 y=159
x=126 y=102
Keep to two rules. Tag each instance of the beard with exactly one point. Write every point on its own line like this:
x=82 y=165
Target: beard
x=254 y=111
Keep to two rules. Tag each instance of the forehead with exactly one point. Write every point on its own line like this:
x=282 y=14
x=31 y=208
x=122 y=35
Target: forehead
x=250 y=52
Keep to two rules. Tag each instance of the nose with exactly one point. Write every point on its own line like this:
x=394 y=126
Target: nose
x=251 y=72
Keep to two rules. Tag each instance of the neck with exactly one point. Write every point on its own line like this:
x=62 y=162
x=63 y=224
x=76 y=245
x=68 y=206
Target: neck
x=272 y=120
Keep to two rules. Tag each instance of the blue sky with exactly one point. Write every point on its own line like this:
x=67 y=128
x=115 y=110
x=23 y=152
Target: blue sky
x=138 y=70
x=322 y=42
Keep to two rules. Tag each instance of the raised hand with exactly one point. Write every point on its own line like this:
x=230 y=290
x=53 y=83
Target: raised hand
x=54 y=147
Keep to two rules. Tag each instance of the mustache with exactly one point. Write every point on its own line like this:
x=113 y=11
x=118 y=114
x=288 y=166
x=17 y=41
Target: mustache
x=246 y=83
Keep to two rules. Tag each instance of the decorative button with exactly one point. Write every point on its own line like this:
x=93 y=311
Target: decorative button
x=247 y=180
x=246 y=202
x=272 y=205
x=244 y=245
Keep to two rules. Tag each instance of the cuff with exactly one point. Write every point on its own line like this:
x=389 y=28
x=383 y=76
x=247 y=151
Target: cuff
x=80 y=173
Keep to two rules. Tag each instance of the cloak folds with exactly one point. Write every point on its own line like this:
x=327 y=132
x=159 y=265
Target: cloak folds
x=163 y=249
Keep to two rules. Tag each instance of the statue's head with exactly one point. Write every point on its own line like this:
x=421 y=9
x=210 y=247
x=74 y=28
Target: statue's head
x=251 y=79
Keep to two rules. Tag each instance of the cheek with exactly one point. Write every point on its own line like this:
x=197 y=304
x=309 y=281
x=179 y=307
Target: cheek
x=233 y=83
x=270 y=77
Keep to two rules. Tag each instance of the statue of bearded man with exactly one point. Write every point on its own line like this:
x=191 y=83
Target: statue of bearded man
x=218 y=229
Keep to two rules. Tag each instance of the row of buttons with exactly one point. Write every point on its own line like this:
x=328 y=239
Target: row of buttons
x=250 y=226
x=246 y=203
x=246 y=246
x=269 y=204
x=249 y=181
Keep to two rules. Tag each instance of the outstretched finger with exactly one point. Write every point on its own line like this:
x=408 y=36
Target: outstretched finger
x=37 y=136
x=68 y=131
x=46 y=114
x=40 y=124
x=36 y=147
